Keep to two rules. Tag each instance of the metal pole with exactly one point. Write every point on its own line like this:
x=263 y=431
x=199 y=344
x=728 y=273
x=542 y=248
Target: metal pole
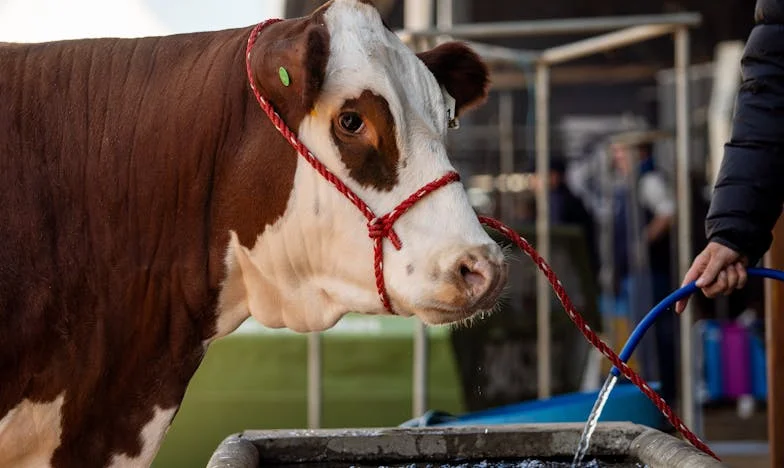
x=774 y=328
x=683 y=190
x=553 y=27
x=609 y=41
x=726 y=79
x=314 y=380
x=491 y=52
x=421 y=353
x=419 y=14
x=607 y=241
x=506 y=147
x=640 y=287
x=543 y=305
x=577 y=49
x=444 y=14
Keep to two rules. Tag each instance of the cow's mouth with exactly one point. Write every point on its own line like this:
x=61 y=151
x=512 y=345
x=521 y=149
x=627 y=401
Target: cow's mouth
x=445 y=314
x=451 y=308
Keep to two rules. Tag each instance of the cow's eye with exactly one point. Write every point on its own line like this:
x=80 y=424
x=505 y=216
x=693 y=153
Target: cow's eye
x=351 y=122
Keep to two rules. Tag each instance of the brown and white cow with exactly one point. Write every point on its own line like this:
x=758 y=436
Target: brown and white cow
x=148 y=207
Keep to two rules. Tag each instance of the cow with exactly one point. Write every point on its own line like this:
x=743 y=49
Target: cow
x=148 y=207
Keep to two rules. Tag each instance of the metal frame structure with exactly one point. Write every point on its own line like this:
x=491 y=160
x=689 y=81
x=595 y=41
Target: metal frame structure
x=624 y=30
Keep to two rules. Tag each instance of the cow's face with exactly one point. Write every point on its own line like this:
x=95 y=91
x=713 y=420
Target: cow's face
x=376 y=115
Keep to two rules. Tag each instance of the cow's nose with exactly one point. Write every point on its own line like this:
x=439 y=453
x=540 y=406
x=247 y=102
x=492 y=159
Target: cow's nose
x=480 y=273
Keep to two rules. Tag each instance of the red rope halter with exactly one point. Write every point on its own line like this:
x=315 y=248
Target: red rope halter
x=380 y=227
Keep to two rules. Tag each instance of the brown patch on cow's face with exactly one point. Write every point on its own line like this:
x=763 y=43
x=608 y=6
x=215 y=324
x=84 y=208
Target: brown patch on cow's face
x=460 y=71
x=364 y=132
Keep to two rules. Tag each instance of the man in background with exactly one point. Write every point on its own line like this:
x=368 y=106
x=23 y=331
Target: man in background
x=646 y=281
x=567 y=208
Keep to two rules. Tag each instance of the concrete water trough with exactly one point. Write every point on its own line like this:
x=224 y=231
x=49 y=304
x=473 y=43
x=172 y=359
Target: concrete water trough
x=613 y=445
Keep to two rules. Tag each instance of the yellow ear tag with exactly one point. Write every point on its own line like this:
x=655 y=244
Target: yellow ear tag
x=284 y=76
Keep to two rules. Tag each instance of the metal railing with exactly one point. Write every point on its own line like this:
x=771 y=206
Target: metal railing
x=556 y=26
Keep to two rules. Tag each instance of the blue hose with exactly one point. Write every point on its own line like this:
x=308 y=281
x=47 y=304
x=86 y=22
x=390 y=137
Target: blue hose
x=669 y=301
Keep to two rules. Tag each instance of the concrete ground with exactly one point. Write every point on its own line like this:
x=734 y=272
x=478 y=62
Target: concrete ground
x=740 y=443
x=746 y=461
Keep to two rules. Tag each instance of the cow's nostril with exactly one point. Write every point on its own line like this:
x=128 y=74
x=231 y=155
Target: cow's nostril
x=475 y=277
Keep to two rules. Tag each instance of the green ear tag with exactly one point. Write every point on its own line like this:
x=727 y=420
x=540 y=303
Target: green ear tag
x=284 y=76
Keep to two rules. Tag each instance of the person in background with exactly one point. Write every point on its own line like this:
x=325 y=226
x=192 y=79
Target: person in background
x=749 y=190
x=657 y=207
x=568 y=208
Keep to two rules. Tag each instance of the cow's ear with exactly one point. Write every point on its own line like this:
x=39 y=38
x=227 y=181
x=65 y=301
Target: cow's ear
x=289 y=61
x=460 y=70
x=315 y=63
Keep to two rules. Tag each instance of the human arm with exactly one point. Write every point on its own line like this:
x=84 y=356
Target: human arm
x=657 y=198
x=749 y=190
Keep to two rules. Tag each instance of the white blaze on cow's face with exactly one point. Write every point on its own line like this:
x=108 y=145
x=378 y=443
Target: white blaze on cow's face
x=379 y=123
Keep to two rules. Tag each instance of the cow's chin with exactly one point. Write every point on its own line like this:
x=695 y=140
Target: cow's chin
x=437 y=316
x=318 y=304
x=328 y=303
x=315 y=309
x=437 y=313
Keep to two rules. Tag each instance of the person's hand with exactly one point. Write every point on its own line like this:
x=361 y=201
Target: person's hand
x=717 y=270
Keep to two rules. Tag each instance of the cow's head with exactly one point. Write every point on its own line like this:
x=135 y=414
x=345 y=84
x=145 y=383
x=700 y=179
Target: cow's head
x=376 y=115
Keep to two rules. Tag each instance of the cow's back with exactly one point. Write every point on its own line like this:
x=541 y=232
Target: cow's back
x=107 y=150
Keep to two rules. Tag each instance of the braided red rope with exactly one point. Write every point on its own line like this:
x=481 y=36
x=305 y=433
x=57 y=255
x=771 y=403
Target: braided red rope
x=380 y=227
x=591 y=336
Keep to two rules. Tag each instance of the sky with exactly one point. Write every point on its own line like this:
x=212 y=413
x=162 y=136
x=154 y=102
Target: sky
x=46 y=20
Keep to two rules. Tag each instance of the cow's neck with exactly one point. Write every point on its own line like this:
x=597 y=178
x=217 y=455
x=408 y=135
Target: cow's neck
x=218 y=166
x=138 y=185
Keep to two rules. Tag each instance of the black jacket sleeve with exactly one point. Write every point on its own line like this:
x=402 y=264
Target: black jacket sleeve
x=749 y=191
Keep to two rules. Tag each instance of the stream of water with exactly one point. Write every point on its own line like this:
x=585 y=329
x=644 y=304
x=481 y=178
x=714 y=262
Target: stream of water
x=593 y=420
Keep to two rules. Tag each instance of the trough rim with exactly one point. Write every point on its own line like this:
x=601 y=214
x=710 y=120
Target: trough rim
x=649 y=446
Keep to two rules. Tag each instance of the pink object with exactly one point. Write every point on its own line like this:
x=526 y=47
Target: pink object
x=736 y=361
